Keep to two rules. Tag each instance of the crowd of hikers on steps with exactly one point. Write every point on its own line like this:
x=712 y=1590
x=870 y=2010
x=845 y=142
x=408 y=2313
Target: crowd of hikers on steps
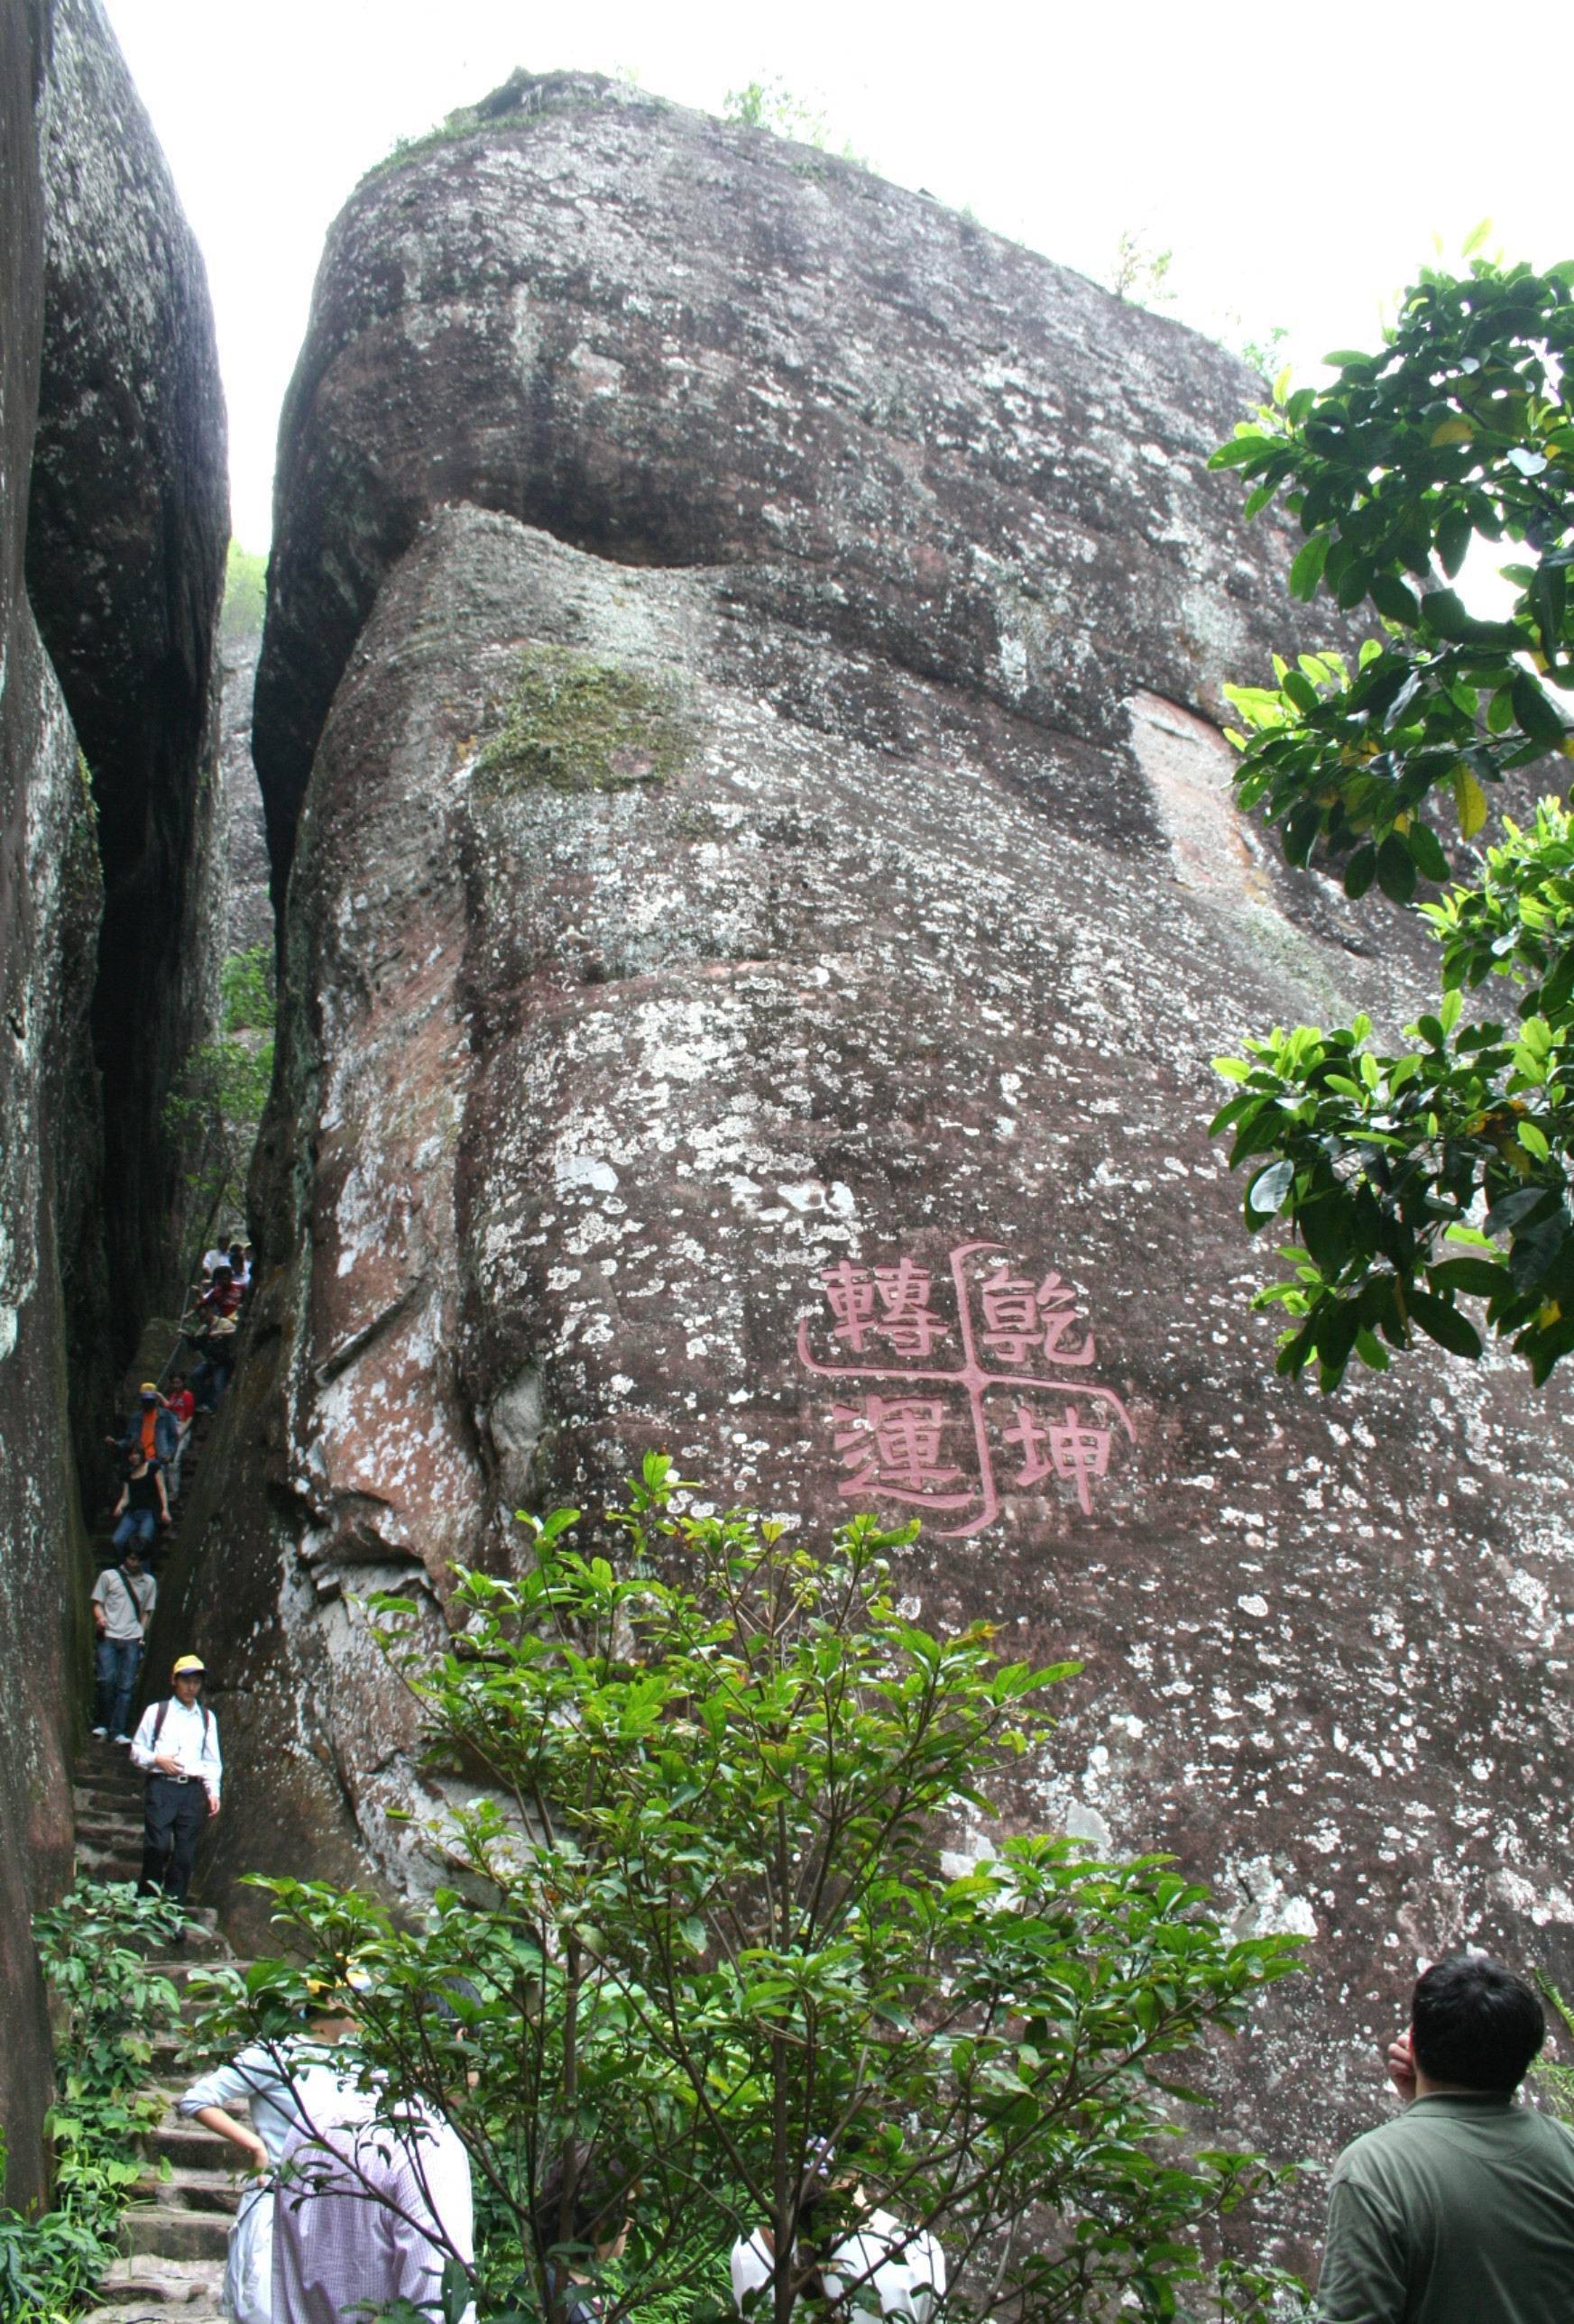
x=176 y=1742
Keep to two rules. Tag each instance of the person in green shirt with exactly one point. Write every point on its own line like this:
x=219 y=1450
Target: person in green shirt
x=1461 y=2209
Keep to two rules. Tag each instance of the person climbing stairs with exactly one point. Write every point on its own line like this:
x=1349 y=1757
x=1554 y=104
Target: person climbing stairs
x=176 y=2231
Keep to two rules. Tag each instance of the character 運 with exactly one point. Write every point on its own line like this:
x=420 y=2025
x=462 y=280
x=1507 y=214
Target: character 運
x=932 y=1438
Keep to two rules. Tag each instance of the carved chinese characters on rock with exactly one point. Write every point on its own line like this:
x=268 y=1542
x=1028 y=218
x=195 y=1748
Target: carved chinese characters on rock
x=960 y=1386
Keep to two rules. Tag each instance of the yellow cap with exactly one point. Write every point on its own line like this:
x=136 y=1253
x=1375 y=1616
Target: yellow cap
x=187 y=1663
x=148 y=1388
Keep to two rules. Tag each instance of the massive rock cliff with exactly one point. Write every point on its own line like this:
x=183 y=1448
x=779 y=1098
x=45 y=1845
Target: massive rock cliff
x=127 y=523
x=112 y=528
x=763 y=900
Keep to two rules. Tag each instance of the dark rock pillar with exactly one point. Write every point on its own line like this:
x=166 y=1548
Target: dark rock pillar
x=125 y=548
x=111 y=532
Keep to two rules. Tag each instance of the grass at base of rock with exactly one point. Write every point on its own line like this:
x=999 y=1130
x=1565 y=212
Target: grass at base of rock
x=578 y=724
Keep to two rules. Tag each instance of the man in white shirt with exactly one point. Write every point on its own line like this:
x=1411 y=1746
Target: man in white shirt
x=124 y=1597
x=371 y=2205
x=177 y=1742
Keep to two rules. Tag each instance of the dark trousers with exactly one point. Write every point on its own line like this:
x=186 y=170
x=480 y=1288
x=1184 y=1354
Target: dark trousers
x=117 y=1660
x=172 y=1824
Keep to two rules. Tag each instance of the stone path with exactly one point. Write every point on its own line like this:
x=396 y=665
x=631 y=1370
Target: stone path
x=176 y=2231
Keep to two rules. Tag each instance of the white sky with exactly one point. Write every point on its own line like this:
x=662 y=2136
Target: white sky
x=1298 y=162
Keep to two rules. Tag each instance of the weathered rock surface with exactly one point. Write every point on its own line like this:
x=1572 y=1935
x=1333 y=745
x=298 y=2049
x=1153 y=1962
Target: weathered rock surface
x=39 y=795
x=249 y=915
x=127 y=532
x=675 y=342
x=763 y=1007
x=90 y=530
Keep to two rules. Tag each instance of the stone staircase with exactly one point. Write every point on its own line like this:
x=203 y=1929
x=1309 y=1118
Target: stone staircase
x=176 y=2230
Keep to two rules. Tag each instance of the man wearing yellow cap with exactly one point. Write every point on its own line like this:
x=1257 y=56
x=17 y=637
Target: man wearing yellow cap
x=177 y=1742
x=152 y=1426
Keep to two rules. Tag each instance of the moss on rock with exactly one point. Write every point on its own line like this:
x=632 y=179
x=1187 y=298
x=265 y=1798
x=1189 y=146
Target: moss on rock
x=578 y=724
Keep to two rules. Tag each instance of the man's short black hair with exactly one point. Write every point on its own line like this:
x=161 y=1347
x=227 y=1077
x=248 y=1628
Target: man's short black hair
x=1473 y=2022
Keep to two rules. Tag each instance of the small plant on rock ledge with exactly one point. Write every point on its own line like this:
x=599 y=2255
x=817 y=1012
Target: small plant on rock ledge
x=699 y=1917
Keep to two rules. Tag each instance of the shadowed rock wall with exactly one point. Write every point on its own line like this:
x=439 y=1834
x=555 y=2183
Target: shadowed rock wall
x=763 y=905
x=127 y=535
x=99 y=457
x=42 y=915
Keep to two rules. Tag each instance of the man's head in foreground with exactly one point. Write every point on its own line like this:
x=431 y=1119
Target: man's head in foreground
x=1473 y=2025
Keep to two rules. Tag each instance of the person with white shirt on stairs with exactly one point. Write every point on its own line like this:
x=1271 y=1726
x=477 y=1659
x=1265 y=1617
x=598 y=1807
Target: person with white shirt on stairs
x=177 y=1743
x=124 y=1597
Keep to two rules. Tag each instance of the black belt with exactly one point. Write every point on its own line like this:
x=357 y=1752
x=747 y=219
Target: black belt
x=160 y=1778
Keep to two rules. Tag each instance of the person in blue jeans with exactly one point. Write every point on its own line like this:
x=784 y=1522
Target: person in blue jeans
x=124 y=1597
x=143 y=1507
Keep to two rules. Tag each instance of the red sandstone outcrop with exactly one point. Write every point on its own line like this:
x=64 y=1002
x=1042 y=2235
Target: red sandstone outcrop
x=764 y=902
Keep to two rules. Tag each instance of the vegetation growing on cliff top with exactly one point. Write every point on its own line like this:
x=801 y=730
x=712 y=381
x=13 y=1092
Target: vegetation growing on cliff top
x=522 y=97
x=578 y=724
x=1418 y=1180
x=701 y=1917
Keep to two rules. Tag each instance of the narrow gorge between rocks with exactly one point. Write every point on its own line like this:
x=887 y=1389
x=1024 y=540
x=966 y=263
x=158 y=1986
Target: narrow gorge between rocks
x=737 y=723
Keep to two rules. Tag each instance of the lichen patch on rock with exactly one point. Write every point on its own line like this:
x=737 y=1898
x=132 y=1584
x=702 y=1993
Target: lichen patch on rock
x=578 y=725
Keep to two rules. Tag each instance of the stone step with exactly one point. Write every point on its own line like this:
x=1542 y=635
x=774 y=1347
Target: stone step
x=148 y=2307
x=108 y=1867
x=110 y=1770
x=201 y=1944
x=171 y=2231
x=166 y=2059
x=148 y=2286
x=96 y=1793
x=110 y=1835
x=187 y=2145
x=189 y=2189
x=179 y=1972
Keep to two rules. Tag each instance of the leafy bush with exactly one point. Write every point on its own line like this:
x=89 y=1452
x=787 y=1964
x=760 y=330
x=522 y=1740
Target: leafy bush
x=1418 y=1179
x=110 y=2004
x=246 y=985
x=245 y=578
x=1552 y=2079
x=698 y=1915
x=214 y=1110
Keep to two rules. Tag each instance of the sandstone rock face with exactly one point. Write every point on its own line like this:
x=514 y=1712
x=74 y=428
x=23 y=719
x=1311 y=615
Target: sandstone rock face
x=90 y=531
x=678 y=343
x=248 y=916
x=126 y=533
x=47 y=921
x=762 y=909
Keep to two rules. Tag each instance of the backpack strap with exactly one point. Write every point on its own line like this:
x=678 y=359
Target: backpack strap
x=133 y=1600
x=158 y=1723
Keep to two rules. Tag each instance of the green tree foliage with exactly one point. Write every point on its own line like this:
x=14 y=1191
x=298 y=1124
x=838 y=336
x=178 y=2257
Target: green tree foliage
x=244 y=594
x=108 y=2006
x=1417 y=1180
x=1553 y=2077
x=1139 y=272
x=216 y=1104
x=696 y=1914
x=771 y=105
